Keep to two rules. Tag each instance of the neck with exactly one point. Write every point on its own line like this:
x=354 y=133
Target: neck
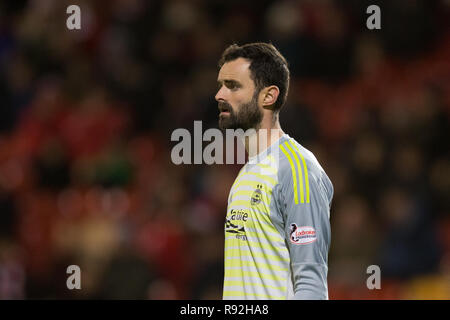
x=262 y=138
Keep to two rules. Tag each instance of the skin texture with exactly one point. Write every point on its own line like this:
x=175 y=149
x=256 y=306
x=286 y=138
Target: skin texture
x=246 y=108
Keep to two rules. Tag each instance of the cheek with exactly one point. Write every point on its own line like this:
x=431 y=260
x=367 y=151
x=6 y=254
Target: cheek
x=240 y=99
x=234 y=102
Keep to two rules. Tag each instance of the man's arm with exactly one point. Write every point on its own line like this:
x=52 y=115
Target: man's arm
x=307 y=232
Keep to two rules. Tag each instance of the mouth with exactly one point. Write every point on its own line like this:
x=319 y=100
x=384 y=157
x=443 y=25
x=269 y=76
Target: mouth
x=224 y=109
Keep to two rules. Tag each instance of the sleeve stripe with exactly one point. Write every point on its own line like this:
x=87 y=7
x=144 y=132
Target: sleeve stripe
x=300 y=176
x=294 y=175
x=305 y=170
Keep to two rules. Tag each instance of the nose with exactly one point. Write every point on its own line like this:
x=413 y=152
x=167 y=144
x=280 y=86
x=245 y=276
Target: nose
x=220 y=95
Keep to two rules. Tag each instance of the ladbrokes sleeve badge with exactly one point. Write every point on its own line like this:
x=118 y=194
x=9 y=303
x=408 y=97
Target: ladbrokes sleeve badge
x=302 y=235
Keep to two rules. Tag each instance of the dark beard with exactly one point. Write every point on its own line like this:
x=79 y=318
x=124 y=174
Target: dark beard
x=248 y=116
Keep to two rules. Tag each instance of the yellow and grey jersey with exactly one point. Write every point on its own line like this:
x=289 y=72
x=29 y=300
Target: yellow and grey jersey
x=277 y=228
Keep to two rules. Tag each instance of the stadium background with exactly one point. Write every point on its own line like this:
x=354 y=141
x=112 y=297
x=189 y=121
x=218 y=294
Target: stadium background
x=86 y=118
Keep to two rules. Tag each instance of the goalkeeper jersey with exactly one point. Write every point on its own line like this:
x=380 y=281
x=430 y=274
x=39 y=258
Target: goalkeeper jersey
x=277 y=227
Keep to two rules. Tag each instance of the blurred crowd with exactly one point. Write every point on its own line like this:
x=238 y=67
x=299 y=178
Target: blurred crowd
x=85 y=123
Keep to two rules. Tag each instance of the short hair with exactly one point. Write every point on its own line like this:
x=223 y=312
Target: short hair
x=267 y=66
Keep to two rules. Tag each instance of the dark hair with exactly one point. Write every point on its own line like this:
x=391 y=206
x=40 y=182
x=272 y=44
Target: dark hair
x=267 y=66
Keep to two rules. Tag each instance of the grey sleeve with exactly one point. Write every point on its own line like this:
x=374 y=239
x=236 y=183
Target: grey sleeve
x=307 y=234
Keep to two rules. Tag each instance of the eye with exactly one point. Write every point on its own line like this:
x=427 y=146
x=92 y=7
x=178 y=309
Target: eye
x=232 y=85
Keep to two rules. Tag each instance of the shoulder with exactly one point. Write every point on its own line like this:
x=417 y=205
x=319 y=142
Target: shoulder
x=293 y=155
x=300 y=169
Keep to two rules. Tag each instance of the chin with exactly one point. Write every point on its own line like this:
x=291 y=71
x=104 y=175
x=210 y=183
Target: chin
x=224 y=124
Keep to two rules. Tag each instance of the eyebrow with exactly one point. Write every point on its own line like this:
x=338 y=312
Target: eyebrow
x=229 y=82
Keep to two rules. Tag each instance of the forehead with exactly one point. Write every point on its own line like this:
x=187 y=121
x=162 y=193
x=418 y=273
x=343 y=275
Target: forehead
x=235 y=70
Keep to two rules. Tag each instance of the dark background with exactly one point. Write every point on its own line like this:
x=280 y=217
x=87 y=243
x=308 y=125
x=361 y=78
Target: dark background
x=86 y=117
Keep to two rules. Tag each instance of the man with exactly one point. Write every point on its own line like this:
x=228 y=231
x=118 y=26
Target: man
x=277 y=230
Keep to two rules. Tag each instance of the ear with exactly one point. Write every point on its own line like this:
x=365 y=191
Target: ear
x=269 y=96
